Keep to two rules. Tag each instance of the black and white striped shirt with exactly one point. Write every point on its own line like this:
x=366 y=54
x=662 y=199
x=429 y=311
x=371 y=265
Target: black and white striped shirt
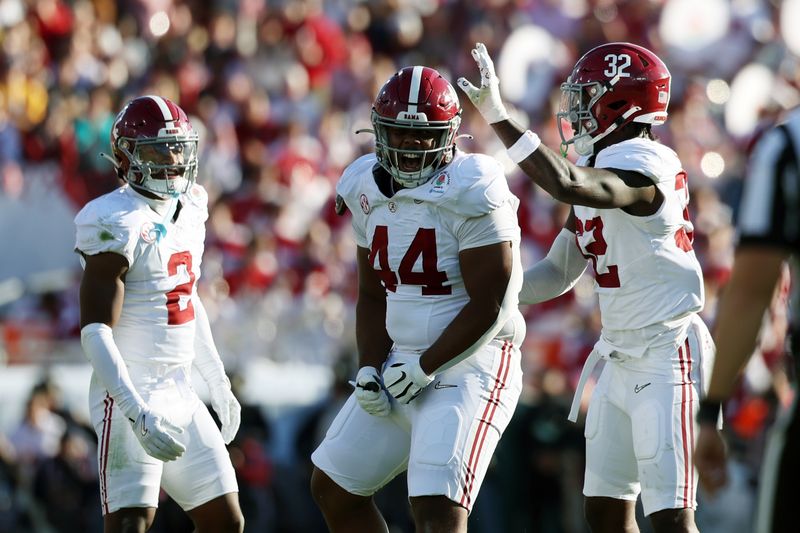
x=770 y=210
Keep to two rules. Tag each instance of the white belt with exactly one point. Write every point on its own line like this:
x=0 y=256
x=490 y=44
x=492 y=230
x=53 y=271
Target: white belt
x=588 y=366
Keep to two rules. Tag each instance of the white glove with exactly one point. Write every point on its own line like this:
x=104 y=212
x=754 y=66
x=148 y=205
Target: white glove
x=487 y=98
x=152 y=430
x=227 y=408
x=369 y=392
x=405 y=379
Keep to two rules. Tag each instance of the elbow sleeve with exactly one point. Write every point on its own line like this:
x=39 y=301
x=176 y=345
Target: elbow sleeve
x=556 y=273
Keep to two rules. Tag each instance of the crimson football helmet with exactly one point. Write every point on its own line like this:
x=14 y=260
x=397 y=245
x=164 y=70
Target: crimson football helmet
x=610 y=86
x=418 y=98
x=154 y=147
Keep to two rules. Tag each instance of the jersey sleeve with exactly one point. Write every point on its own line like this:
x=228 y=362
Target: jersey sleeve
x=349 y=188
x=499 y=225
x=649 y=158
x=481 y=187
x=98 y=232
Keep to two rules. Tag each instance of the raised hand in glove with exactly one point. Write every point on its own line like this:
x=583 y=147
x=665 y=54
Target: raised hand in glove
x=152 y=430
x=486 y=98
x=369 y=392
x=227 y=408
x=405 y=379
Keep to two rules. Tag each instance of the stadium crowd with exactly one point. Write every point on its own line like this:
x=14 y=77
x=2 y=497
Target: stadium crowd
x=277 y=89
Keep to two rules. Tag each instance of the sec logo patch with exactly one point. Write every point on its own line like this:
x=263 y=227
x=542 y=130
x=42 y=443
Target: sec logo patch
x=364 y=203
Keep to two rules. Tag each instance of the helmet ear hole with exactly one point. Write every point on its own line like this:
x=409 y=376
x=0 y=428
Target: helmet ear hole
x=617 y=105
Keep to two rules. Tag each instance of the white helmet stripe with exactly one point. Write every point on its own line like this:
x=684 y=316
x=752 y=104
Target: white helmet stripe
x=162 y=105
x=413 y=92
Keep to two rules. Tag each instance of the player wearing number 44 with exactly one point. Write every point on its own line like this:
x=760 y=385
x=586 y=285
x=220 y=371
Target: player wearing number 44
x=437 y=323
x=143 y=327
x=630 y=219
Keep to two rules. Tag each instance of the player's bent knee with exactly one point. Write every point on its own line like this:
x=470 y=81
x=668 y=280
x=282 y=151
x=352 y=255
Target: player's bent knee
x=438 y=513
x=130 y=520
x=330 y=497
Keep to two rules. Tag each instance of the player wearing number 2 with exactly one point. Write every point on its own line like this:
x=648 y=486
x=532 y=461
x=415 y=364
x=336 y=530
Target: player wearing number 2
x=630 y=219
x=437 y=323
x=141 y=246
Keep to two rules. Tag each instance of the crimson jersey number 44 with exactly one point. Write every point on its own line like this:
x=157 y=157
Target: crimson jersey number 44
x=431 y=280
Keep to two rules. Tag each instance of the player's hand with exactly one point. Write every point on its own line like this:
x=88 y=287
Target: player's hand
x=709 y=458
x=405 y=379
x=487 y=97
x=369 y=392
x=153 y=431
x=227 y=408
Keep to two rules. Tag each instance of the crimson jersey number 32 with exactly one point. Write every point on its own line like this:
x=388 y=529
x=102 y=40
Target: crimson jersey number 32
x=424 y=245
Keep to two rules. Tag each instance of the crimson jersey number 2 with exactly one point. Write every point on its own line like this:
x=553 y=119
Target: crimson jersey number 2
x=593 y=250
x=175 y=315
x=424 y=244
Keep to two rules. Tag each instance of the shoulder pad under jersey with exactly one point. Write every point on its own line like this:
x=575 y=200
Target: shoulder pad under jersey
x=649 y=158
x=109 y=223
x=355 y=180
x=197 y=196
x=477 y=185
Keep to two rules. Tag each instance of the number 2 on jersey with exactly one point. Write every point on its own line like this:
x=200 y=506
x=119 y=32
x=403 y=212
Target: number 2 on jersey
x=595 y=249
x=175 y=315
x=424 y=244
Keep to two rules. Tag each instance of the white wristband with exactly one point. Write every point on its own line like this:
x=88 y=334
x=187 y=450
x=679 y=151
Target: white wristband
x=527 y=143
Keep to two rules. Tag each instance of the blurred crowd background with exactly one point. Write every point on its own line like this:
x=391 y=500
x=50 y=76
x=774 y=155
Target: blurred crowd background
x=277 y=89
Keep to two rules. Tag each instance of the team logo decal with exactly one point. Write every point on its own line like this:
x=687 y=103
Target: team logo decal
x=440 y=183
x=364 y=203
x=392 y=207
x=148 y=232
x=151 y=232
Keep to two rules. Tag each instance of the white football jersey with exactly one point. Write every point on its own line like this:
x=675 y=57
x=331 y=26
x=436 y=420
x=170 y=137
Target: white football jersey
x=646 y=271
x=157 y=323
x=415 y=237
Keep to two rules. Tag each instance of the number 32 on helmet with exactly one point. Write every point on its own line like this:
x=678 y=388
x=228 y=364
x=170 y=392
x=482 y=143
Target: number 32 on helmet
x=610 y=86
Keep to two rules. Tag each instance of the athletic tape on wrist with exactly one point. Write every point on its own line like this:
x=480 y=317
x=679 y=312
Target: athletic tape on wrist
x=527 y=143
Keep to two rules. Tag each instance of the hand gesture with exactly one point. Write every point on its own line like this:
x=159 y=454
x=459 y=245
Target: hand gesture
x=227 y=408
x=405 y=379
x=486 y=98
x=709 y=458
x=152 y=430
x=369 y=392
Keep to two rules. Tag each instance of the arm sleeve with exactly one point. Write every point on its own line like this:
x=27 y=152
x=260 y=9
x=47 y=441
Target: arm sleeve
x=206 y=357
x=99 y=347
x=556 y=273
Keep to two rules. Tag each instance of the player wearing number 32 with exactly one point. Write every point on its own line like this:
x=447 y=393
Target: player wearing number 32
x=437 y=324
x=143 y=327
x=630 y=219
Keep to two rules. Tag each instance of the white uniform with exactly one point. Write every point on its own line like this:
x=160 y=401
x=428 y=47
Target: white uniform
x=155 y=335
x=640 y=424
x=446 y=436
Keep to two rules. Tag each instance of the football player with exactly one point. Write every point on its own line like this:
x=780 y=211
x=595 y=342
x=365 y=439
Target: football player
x=437 y=324
x=630 y=220
x=143 y=327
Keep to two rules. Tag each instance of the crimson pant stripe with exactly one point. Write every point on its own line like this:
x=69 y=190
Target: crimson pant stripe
x=109 y=403
x=485 y=423
x=687 y=429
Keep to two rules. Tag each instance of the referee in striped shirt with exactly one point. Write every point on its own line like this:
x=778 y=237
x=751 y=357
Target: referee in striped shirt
x=769 y=235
